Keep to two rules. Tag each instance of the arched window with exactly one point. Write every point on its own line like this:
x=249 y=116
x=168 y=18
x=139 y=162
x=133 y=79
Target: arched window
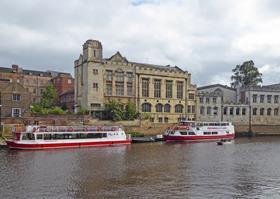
x=231 y=111
x=255 y=111
x=243 y=111
x=167 y=108
x=159 y=108
x=268 y=111
x=262 y=111
x=179 y=108
x=146 y=107
x=276 y=110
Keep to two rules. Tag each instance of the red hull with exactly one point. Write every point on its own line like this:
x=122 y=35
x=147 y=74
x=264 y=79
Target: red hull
x=14 y=145
x=197 y=138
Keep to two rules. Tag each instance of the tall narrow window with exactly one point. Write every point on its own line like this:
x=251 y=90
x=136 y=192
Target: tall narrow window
x=16 y=97
x=276 y=110
x=145 y=87
x=243 y=111
x=157 y=88
x=129 y=89
x=255 y=98
x=262 y=111
x=168 y=88
x=255 y=111
x=95 y=86
x=109 y=88
x=261 y=98
x=179 y=108
x=159 y=108
x=119 y=88
x=269 y=98
x=202 y=110
x=129 y=76
x=109 y=75
x=180 y=86
x=146 y=107
x=276 y=99
x=119 y=76
x=268 y=112
x=167 y=108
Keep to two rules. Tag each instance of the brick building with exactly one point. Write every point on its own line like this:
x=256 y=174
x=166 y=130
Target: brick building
x=165 y=93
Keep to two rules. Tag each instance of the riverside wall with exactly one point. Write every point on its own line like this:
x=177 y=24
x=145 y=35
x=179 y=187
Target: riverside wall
x=142 y=126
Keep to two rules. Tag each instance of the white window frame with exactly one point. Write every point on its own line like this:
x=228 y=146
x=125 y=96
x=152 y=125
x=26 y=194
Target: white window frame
x=13 y=112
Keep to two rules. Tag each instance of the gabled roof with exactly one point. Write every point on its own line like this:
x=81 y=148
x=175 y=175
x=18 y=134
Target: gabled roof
x=216 y=85
x=118 y=57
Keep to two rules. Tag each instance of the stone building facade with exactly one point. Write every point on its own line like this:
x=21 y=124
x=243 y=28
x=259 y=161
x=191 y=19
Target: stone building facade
x=165 y=93
x=260 y=105
x=15 y=99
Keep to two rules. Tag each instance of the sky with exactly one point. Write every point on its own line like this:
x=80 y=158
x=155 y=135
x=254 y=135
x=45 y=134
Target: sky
x=207 y=38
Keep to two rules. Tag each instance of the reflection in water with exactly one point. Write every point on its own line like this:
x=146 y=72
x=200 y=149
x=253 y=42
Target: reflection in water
x=246 y=169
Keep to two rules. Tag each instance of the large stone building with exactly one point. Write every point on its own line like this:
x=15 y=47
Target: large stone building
x=164 y=92
x=260 y=105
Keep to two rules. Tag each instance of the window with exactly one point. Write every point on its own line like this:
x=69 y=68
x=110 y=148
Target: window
x=34 y=90
x=189 y=109
x=261 y=98
x=237 y=111
x=179 y=108
x=166 y=119
x=33 y=100
x=146 y=107
x=95 y=106
x=231 y=111
x=16 y=97
x=193 y=109
x=215 y=110
x=16 y=112
x=201 y=100
x=167 y=108
x=159 y=108
x=95 y=86
x=160 y=119
x=152 y=119
x=129 y=88
x=120 y=76
x=180 y=86
x=169 y=88
x=269 y=98
x=255 y=111
x=145 y=87
x=243 y=111
x=209 y=110
x=119 y=88
x=69 y=81
x=225 y=111
x=214 y=100
x=276 y=111
x=268 y=112
x=109 y=88
x=276 y=99
x=207 y=100
x=109 y=75
x=157 y=88
x=255 y=98
x=262 y=111
x=191 y=96
x=95 y=71
x=129 y=76
x=202 y=110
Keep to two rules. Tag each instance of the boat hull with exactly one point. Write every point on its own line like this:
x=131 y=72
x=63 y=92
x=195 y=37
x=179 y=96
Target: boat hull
x=169 y=138
x=30 y=146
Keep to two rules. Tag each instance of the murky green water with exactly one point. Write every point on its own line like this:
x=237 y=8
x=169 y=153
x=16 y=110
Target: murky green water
x=249 y=168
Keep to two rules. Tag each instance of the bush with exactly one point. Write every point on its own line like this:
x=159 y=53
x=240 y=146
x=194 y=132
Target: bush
x=135 y=134
x=57 y=111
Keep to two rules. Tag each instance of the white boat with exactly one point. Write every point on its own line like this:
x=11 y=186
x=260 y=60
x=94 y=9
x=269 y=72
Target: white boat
x=199 y=131
x=45 y=137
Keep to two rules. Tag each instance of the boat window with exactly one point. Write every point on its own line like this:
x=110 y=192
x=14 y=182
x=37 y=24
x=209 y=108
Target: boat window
x=214 y=133
x=183 y=132
x=217 y=124
x=227 y=131
x=172 y=132
x=47 y=136
x=211 y=124
x=94 y=135
x=206 y=124
x=223 y=124
x=206 y=133
x=39 y=136
x=191 y=133
x=28 y=136
x=227 y=124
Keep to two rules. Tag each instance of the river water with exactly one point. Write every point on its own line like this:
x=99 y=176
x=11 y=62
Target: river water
x=248 y=168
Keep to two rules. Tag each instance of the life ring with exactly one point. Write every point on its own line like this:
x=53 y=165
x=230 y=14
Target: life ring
x=113 y=129
x=70 y=129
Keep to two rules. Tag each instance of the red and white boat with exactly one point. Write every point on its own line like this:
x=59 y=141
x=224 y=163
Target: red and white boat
x=46 y=137
x=200 y=131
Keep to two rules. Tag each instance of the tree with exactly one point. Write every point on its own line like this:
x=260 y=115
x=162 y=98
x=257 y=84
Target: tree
x=246 y=75
x=130 y=111
x=114 y=111
x=49 y=97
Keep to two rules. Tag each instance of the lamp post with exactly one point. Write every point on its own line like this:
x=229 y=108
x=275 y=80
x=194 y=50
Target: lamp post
x=250 y=114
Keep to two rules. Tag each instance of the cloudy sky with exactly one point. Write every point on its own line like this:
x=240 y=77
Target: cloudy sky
x=205 y=37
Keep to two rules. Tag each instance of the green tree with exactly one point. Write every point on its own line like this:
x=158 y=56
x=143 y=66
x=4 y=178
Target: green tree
x=246 y=75
x=49 y=97
x=114 y=111
x=130 y=111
